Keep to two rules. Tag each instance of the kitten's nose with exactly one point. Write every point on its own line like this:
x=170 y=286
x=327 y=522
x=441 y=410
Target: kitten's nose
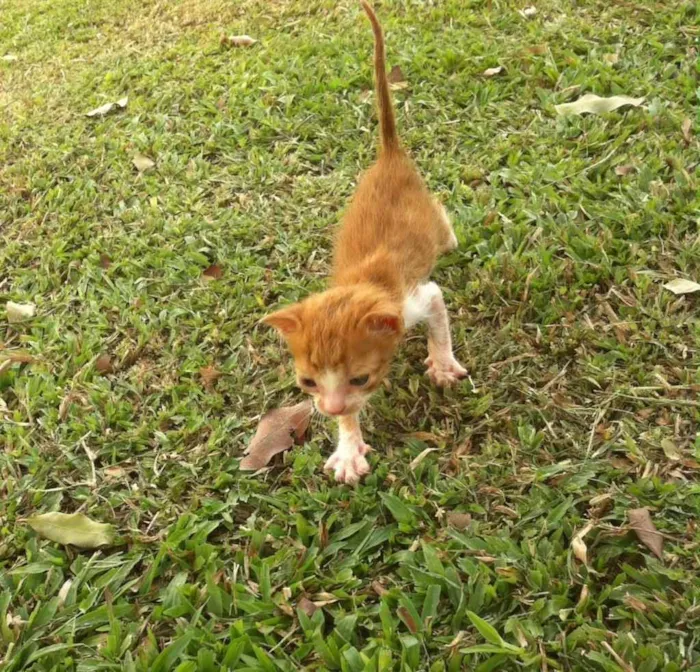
x=333 y=405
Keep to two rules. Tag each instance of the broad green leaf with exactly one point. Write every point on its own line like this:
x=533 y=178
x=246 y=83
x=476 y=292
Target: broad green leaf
x=592 y=104
x=490 y=648
x=170 y=654
x=75 y=529
x=398 y=509
x=489 y=633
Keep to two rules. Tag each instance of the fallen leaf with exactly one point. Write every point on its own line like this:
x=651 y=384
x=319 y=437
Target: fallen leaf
x=682 y=286
x=18 y=357
x=420 y=457
x=105 y=261
x=379 y=589
x=17 y=312
x=75 y=529
x=492 y=72
x=643 y=526
x=9 y=57
x=142 y=163
x=274 y=434
x=307 y=606
x=634 y=603
x=113 y=472
x=65 y=406
x=396 y=75
x=103 y=364
x=592 y=104
x=686 y=127
x=528 y=12
x=611 y=58
x=212 y=272
x=237 y=40
x=63 y=592
x=209 y=375
x=396 y=79
x=623 y=170
x=671 y=450
x=102 y=110
x=578 y=545
x=460 y=521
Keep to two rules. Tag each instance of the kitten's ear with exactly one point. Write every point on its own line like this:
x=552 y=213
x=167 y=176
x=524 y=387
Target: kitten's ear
x=383 y=323
x=286 y=321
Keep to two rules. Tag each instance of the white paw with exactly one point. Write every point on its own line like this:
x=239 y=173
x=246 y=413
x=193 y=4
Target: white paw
x=445 y=371
x=349 y=464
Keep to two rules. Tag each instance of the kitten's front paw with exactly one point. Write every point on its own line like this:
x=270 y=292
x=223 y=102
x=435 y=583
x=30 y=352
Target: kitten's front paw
x=445 y=372
x=349 y=466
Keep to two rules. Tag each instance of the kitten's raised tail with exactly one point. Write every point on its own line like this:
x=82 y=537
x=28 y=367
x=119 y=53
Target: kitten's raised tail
x=387 y=121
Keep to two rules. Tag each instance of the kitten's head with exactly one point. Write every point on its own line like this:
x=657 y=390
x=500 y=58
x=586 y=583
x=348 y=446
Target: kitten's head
x=342 y=341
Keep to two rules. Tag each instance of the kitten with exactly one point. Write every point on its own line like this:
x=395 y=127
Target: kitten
x=343 y=339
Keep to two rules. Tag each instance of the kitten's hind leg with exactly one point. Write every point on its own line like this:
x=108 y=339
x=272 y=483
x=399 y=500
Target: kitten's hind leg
x=450 y=239
x=348 y=462
x=426 y=303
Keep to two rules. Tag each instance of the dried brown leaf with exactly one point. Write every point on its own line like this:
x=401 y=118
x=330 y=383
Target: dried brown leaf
x=212 y=272
x=686 y=128
x=492 y=72
x=103 y=364
x=19 y=357
x=307 y=606
x=644 y=528
x=18 y=312
x=623 y=170
x=420 y=457
x=113 y=472
x=460 y=521
x=105 y=261
x=578 y=545
x=671 y=450
x=65 y=406
x=102 y=110
x=396 y=76
x=635 y=603
x=209 y=375
x=681 y=286
x=528 y=12
x=237 y=40
x=142 y=163
x=275 y=434
x=379 y=589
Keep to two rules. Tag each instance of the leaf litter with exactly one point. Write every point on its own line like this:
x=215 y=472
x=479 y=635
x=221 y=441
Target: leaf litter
x=237 y=40
x=397 y=79
x=143 y=163
x=492 y=72
x=681 y=286
x=18 y=312
x=74 y=529
x=644 y=528
x=105 y=109
x=276 y=432
x=592 y=104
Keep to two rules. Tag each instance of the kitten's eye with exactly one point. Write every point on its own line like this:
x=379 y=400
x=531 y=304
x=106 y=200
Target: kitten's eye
x=308 y=382
x=359 y=381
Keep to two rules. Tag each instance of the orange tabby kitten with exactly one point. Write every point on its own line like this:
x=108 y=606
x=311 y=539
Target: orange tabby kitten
x=343 y=339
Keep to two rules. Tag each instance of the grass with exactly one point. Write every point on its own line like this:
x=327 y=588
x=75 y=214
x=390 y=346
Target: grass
x=583 y=397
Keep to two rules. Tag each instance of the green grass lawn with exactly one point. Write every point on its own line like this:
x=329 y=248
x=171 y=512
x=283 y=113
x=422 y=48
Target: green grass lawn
x=582 y=401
